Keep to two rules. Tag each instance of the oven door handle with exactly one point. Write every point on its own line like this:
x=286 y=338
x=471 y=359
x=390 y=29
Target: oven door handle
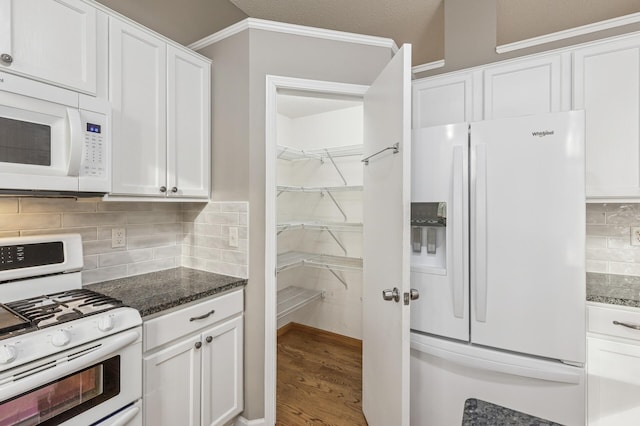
x=22 y=385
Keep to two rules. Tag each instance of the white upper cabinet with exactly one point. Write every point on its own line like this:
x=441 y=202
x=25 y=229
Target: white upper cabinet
x=51 y=41
x=137 y=86
x=188 y=130
x=443 y=100
x=161 y=99
x=526 y=87
x=606 y=84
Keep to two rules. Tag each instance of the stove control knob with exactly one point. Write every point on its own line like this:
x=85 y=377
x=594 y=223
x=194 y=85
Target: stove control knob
x=8 y=353
x=105 y=324
x=60 y=338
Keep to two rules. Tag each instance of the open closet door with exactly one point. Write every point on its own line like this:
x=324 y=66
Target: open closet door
x=386 y=215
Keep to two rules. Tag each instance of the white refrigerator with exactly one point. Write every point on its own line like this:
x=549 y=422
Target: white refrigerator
x=498 y=230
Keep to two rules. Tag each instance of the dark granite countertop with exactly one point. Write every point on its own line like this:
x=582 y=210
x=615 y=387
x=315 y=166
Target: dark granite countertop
x=621 y=290
x=478 y=412
x=159 y=291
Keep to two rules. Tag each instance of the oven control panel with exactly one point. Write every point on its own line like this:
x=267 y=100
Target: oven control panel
x=27 y=255
x=94 y=152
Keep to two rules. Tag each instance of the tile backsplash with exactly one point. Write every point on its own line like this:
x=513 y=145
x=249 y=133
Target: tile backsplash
x=608 y=245
x=158 y=235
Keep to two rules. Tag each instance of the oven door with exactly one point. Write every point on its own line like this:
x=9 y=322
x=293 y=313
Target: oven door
x=41 y=144
x=80 y=386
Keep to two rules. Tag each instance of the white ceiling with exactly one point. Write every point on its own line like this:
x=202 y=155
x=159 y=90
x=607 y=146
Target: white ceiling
x=294 y=106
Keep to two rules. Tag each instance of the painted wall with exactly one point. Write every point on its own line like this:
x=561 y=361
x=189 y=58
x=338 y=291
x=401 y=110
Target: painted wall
x=267 y=53
x=184 y=21
x=471 y=29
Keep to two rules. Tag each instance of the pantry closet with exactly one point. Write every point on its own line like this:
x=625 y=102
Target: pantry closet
x=319 y=212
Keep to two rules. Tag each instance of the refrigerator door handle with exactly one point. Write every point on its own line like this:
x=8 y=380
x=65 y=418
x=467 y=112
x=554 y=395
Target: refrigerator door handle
x=550 y=373
x=480 y=231
x=456 y=208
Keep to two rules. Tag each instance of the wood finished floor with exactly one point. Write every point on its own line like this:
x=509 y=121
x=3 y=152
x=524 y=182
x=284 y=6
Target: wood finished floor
x=319 y=379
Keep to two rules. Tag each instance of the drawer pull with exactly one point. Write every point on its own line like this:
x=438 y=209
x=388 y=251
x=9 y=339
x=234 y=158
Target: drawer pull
x=624 y=324
x=203 y=316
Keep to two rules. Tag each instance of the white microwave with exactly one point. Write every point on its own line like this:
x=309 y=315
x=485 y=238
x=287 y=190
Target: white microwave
x=52 y=140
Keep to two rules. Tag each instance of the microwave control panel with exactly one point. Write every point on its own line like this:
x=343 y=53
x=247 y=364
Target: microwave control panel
x=94 y=154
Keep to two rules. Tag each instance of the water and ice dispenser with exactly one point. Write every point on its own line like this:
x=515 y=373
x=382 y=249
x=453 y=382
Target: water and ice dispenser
x=429 y=237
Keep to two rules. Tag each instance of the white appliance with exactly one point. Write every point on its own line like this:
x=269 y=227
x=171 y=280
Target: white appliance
x=52 y=139
x=498 y=229
x=68 y=355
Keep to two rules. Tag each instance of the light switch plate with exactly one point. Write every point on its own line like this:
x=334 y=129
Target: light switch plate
x=635 y=235
x=233 y=236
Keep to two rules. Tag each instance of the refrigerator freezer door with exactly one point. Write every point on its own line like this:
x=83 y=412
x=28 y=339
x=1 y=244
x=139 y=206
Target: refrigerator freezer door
x=439 y=173
x=527 y=235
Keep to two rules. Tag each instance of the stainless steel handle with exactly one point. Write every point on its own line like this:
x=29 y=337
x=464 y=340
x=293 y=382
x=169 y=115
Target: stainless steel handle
x=209 y=339
x=163 y=189
x=198 y=345
x=391 y=294
x=174 y=189
x=6 y=58
x=203 y=316
x=624 y=324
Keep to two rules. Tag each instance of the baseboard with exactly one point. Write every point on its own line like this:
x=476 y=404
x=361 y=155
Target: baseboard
x=241 y=421
x=338 y=338
x=285 y=328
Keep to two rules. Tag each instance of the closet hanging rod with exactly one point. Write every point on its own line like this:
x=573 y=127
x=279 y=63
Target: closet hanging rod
x=395 y=147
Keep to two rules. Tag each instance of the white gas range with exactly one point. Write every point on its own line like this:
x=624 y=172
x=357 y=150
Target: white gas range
x=67 y=355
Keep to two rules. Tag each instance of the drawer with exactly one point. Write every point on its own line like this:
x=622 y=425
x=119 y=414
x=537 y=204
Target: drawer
x=183 y=322
x=600 y=320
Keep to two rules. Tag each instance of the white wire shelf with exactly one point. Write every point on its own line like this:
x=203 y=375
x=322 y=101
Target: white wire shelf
x=291 y=154
x=340 y=188
x=293 y=298
x=292 y=259
x=320 y=226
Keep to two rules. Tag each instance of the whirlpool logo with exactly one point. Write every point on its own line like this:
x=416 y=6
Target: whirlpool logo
x=543 y=133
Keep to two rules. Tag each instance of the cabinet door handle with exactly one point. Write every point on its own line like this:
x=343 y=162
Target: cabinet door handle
x=163 y=189
x=6 y=58
x=625 y=324
x=209 y=339
x=203 y=316
x=198 y=345
x=174 y=189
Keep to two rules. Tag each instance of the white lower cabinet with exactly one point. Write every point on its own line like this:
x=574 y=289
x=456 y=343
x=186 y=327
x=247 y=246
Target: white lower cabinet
x=196 y=378
x=613 y=366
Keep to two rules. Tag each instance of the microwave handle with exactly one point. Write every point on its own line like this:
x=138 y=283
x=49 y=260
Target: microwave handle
x=75 y=142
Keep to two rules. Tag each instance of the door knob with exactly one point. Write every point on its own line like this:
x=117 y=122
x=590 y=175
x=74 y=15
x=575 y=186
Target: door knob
x=414 y=294
x=163 y=189
x=391 y=294
x=6 y=58
x=174 y=189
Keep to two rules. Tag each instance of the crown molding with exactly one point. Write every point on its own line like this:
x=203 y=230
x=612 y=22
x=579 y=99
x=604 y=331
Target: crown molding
x=572 y=32
x=301 y=30
x=428 y=66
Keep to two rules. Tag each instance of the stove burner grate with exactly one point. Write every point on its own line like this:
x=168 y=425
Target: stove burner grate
x=63 y=306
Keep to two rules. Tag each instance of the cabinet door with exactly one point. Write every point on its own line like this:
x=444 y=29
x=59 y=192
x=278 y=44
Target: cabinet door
x=53 y=41
x=188 y=118
x=172 y=385
x=442 y=100
x=515 y=89
x=606 y=84
x=613 y=382
x=222 y=377
x=137 y=90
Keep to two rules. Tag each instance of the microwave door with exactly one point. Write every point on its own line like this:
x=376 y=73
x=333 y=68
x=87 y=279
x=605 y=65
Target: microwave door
x=40 y=144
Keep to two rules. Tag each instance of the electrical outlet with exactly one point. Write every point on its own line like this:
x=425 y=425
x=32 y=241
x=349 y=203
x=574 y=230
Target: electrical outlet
x=118 y=237
x=233 y=236
x=635 y=236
